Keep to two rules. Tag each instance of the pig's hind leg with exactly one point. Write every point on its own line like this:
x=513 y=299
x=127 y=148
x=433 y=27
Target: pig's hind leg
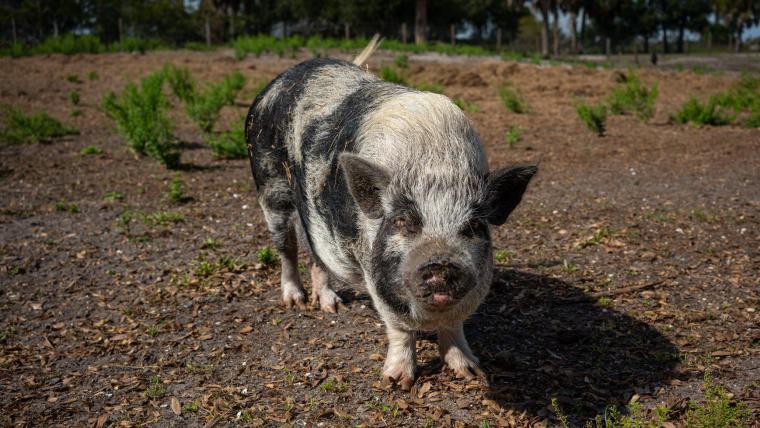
x=276 y=202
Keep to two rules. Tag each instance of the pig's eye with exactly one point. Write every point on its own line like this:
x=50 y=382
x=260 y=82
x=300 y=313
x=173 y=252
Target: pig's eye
x=404 y=225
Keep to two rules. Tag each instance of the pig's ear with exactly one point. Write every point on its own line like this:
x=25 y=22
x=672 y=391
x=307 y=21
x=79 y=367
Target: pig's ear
x=366 y=182
x=504 y=190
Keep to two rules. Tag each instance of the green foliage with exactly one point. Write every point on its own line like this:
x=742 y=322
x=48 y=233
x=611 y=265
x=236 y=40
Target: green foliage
x=67 y=207
x=93 y=75
x=513 y=101
x=156 y=388
x=229 y=144
x=73 y=78
x=141 y=115
x=466 y=105
x=210 y=244
x=198 y=46
x=113 y=196
x=91 y=150
x=401 y=61
x=69 y=44
x=266 y=256
x=434 y=87
x=592 y=116
x=717 y=410
x=390 y=74
x=631 y=97
x=260 y=44
x=180 y=82
x=513 y=136
x=177 y=189
x=502 y=256
x=38 y=127
x=205 y=105
x=697 y=113
x=74 y=97
x=162 y=218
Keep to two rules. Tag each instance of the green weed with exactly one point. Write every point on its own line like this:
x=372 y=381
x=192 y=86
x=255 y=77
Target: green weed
x=513 y=136
x=75 y=113
x=91 y=150
x=632 y=97
x=502 y=256
x=229 y=144
x=513 y=101
x=162 y=218
x=266 y=256
x=63 y=206
x=717 y=409
x=93 y=75
x=390 y=74
x=466 y=105
x=113 y=196
x=402 y=61
x=205 y=105
x=74 y=97
x=156 y=388
x=210 y=244
x=205 y=269
x=141 y=115
x=38 y=127
x=191 y=407
x=434 y=87
x=176 y=191
x=593 y=117
x=180 y=82
x=697 y=113
x=73 y=78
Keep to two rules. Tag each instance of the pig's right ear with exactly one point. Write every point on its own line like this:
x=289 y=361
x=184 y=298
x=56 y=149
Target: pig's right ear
x=366 y=182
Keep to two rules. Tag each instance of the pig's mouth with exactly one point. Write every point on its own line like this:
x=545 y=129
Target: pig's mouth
x=439 y=293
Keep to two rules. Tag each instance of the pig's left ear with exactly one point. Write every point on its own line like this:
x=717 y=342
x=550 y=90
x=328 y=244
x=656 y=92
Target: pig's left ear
x=504 y=190
x=366 y=182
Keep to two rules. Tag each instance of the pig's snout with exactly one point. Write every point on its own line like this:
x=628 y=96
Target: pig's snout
x=441 y=281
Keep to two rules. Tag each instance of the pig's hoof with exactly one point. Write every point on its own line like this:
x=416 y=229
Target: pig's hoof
x=293 y=295
x=401 y=375
x=326 y=298
x=470 y=373
x=464 y=367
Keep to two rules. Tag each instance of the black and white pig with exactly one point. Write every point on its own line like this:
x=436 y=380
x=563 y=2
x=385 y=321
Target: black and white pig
x=391 y=190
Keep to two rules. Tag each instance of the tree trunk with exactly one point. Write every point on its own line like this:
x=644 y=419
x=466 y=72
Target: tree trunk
x=208 y=32
x=346 y=30
x=545 y=32
x=420 y=22
x=555 y=30
x=738 y=41
x=453 y=32
x=13 y=29
x=573 y=32
x=583 y=30
x=498 y=39
x=681 y=30
x=231 y=12
x=646 y=44
x=403 y=32
x=607 y=46
x=55 y=28
x=665 y=48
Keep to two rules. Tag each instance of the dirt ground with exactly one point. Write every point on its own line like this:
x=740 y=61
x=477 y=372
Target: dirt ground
x=103 y=326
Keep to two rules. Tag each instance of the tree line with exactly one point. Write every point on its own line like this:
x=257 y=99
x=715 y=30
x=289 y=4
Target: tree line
x=613 y=24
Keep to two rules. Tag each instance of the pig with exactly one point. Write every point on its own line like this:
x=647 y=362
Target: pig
x=389 y=189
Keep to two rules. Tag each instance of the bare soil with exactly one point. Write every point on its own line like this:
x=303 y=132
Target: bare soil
x=90 y=312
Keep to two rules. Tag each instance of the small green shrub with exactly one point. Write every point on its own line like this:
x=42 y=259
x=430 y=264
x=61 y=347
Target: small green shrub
x=38 y=127
x=75 y=113
x=513 y=101
x=401 y=61
x=266 y=256
x=141 y=115
x=716 y=410
x=632 y=97
x=91 y=150
x=162 y=218
x=180 y=82
x=697 y=113
x=205 y=106
x=93 y=75
x=229 y=144
x=513 y=136
x=113 y=196
x=434 y=87
x=73 y=78
x=592 y=116
x=69 y=44
x=389 y=74
x=74 y=97
x=466 y=105
x=177 y=189
x=67 y=207
x=156 y=388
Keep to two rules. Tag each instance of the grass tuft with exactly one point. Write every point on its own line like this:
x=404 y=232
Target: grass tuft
x=592 y=116
x=512 y=100
x=697 y=113
x=141 y=115
x=229 y=144
x=390 y=74
x=717 y=409
x=91 y=150
x=513 y=136
x=74 y=97
x=38 y=127
x=266 y=256
x=177 y=189
x=632 y=97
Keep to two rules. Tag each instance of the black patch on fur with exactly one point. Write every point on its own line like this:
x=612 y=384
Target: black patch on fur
x=504 y=191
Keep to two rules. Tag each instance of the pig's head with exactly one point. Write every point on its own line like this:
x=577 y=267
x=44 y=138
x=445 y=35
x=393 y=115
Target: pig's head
x=430 y=232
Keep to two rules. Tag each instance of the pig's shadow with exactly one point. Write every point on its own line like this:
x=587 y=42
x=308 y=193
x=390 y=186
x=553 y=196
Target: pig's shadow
x=538 y=338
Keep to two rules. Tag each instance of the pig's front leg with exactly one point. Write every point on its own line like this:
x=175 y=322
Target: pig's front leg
x=456 y=353
x=401 y=360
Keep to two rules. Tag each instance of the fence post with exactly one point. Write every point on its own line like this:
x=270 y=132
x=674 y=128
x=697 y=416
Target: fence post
x=121 y=31
x=208 y=32
x=403 y=32
x=452 y=29
x=347 y=30
x=498 y=39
